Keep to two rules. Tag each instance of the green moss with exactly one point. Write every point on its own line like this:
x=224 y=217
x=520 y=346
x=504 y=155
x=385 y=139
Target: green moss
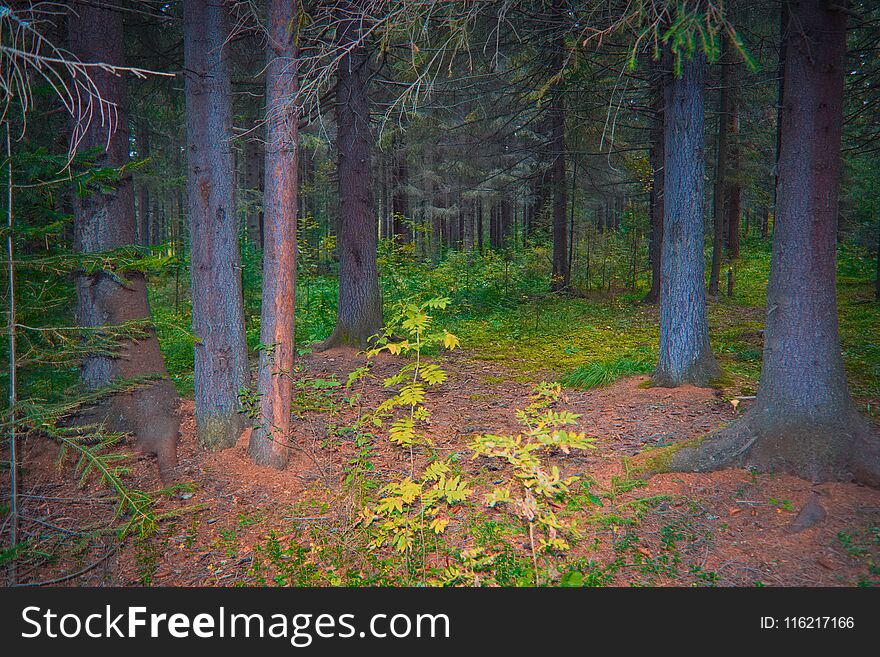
x=219 y=432
x=655 y=461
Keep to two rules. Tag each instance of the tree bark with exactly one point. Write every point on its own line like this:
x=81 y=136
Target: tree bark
x=560 y=278
x=143 y=236
x=104 y=221
x=721 y=184
x=359 y=314
x=217 y=305
x=802 y=421
x=733 y=194
x=399 y=197
x=655 y=200
x=269 y=441
x=685 y=354
x=252 y=162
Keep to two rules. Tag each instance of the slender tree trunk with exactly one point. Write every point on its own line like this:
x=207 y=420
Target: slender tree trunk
x=802 y=421
x=780 y=91
x=480 y=238
x=359 y=314
x=733 y=194
x=469 y=212
x=399 y=198
x=218 y=316
x=143 y=237
x=505 y=215
x=252 y=155
x=574 y=172
x=657 y=157
x=560 y=278
x=269 y=441
x=877 y=278
x=721 y=184
x=104 y=221
x=685 y=354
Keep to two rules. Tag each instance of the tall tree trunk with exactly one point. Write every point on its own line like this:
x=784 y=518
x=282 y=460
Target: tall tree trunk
x=733 y=194
x=685 y=354
x=252 y=157
x=269 y=441
x=721 y=184
x=143 y=232
x=217 y=307
x=877 y=277
x=505 y=217
x=480 y=232
x=104 y=221
x=657 y=157
x=560 y=278
x=780 y=91
x=399 y=197
x=469 y=212
x=359 y=315
x=803 y=421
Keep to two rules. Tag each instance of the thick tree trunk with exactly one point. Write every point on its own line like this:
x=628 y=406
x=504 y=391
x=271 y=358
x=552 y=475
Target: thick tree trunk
x=802 y=421
x=655 y=201
x=218 y=316
x=269 y=441
x=685 y=354
x=359 y=315
x=105 y=221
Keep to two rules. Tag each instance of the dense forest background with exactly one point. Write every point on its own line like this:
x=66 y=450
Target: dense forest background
x=420 y=178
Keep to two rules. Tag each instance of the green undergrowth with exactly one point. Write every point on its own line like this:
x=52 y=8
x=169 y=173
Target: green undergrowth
x=501 y=310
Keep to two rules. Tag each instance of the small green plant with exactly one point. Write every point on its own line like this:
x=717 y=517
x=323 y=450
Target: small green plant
x=413 y=506
x=282 y=566
x=781 y=504
x=409 y=507
x=534 y=492
x=411 y=321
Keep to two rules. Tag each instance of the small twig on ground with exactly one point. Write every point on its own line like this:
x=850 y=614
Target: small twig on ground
x=82 y=571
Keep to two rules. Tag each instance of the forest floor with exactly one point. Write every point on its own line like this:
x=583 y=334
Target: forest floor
x=230 y=523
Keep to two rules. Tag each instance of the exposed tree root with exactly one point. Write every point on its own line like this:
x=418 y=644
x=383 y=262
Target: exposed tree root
x=843 y=450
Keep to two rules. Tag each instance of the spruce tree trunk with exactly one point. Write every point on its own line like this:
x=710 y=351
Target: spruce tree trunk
x=143 y=232
x=877 y=277
x=252 y=155
x=399 y=197
x=560 y=278
x=802 y=421
x=721 y=184
x=685 y=354
x=733 y=194
x=269 y=441
x=359 y=315
x=104 y=221
x=217 y=305
x=656 y=157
